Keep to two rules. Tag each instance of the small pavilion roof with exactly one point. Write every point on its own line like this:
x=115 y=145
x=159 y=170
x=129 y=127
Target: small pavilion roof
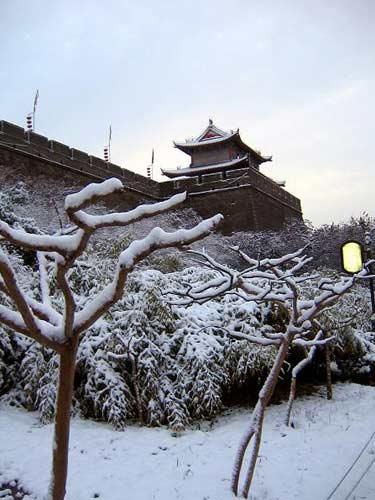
x=214 y=135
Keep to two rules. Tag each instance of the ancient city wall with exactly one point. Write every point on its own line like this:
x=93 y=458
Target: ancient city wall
x=247 y=198
x=72 y=159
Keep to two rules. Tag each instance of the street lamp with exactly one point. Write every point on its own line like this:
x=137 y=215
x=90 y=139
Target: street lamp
x=352 y=256
x=352 y=259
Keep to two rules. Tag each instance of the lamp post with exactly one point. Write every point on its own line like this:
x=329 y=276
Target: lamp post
x=353 y=256
x=368 y=242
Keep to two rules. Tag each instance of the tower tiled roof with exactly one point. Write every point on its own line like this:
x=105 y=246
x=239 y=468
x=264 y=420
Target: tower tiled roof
x=213 y=135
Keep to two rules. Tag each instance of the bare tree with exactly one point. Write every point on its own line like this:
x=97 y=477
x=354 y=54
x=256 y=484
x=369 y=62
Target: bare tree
x=274 y=281
x=61 y=330
x=310 y=353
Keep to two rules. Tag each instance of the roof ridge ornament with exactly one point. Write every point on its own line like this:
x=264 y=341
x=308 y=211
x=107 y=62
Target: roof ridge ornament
x=210 y=121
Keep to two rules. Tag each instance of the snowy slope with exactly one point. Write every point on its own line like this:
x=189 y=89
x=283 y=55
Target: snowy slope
x=143 y=463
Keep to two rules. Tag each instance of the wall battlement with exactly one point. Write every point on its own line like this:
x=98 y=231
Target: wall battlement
x=238 y=178
x=200 y=188
x=48 y=149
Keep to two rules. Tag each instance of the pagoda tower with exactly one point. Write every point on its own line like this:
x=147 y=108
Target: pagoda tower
x=215 y=150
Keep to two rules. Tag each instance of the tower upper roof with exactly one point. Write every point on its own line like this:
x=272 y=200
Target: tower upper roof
x=213 y=135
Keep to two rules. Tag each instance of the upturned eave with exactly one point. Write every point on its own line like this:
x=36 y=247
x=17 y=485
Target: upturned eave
x=189 y=147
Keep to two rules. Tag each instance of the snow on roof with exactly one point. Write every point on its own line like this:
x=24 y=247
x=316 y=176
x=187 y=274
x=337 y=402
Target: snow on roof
x=204 y=168
x=215 y=134
x=214 y=131
x=199 y=142
x=281 y=183
x=181 y=177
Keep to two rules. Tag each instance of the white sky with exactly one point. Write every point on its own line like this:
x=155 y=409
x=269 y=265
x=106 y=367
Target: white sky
x=296 y=76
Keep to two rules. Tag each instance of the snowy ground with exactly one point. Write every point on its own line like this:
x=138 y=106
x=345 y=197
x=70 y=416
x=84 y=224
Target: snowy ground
x=304 y=463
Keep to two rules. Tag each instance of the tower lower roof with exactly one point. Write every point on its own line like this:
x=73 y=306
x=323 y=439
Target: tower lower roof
x=207 y=169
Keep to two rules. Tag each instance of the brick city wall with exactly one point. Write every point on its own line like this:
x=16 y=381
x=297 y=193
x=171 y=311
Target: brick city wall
x=247 y=198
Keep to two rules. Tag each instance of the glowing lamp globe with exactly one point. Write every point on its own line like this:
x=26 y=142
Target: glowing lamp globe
x=351 y=257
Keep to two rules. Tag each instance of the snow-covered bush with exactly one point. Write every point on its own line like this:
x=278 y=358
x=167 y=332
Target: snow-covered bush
x=8 y=361
x=12 y=347
x=145 y=361
x=168 y=263
x=10 y=199
x=149 y=362
x=324 y=241
x=349 y=321
x=171 y=371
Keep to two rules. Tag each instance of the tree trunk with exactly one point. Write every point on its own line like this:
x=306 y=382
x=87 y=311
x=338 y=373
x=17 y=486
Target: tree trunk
x=62 y=422
x=254 y=454
x=256 y=425
x=292 y=395
x=328 y=369
x=293 y=385
x=242 y=450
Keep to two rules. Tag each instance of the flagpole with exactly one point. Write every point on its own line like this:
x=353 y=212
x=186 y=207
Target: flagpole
x=34 y=108
x=109 y=142
x=152 y=163
x=150 y=167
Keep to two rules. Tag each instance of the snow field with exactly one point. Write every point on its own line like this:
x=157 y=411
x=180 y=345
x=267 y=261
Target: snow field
x=305 y=462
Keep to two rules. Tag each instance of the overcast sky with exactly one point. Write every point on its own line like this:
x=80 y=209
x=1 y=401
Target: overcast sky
x=297 y=77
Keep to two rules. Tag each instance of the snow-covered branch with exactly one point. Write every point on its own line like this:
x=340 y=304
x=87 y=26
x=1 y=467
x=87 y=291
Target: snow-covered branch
x=70 y=247
x=61 y=244
x=314 y=342
x=43 y=279
x=31 y=325
x=83 y=219
x=139 y=249
x=253 y=339
x=90 y=194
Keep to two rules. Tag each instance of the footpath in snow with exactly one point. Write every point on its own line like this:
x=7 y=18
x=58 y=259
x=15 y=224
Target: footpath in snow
x=305 y=462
